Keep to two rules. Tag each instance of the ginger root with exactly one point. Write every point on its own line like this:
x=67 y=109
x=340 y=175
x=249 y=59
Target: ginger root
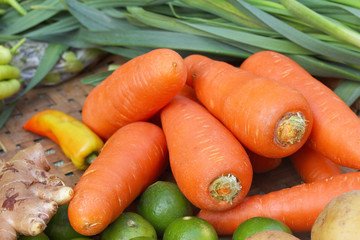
x=29 y=194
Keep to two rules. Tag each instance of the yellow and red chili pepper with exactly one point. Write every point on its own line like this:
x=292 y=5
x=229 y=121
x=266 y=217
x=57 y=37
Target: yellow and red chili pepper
x=80 y=144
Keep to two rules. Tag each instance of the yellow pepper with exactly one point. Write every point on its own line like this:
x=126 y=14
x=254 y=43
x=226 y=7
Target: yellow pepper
x=78 y=142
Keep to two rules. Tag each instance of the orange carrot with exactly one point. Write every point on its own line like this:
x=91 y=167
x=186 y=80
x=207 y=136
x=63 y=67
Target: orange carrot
x=261 y=164
x=209 y=164
x=132 y=159
x=298 y=206
x=313 y=166
x=189 y=92
x=336 y=129
x=135 y=91
x=268 y=117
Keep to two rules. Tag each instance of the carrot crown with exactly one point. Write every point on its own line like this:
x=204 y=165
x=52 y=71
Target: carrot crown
x=290 y=128
x=225 y=188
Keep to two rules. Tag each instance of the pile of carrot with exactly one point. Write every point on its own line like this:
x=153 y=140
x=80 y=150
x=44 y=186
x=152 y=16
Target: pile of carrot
x=215 y=126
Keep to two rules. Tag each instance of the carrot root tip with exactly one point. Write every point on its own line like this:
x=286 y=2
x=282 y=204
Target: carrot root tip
x=225 y=188
x=290 y=128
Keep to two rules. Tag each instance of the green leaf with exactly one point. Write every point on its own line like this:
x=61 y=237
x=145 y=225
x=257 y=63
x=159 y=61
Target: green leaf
x=348 y=91
x=94 y=19
x=96 y=78
x=161 y=39
x=335 y=29
x=173 y=24
x=5 y=38
x=123 y=3
x=126 y=52
x=33 y=18
x=65 y=24
x=223 y=9
x=51 y=56
x=328 y=50
x=71 y=39
x=6 y=113
x=322 y=68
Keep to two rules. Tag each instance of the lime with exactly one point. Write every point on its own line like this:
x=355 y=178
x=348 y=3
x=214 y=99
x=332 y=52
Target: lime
x=127 y=226
x=41 y=236
x=141 y=238
x=81 y=238
x=258 y=224
x=59 y=227
x=190 y=228
x=163 y=202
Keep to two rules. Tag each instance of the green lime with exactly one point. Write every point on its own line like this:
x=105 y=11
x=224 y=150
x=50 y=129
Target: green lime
x=81 y=238
x=163 y=202
x=41 y=236
x=190 y=228
x=258 y=224
x=128 y=226
x=141 y=238
x=59 y=227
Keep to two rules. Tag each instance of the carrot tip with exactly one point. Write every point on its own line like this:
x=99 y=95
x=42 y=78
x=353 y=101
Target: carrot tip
x=225 y=188
x=290 y=128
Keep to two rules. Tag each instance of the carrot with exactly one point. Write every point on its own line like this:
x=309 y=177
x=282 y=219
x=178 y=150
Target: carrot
x=132 y=158
x=189 y=92
x=313 y=166
x=135 y=91
x=336 y=128
x=209 y=164
x=298 y=206
x=268 y=117
x=261 y=164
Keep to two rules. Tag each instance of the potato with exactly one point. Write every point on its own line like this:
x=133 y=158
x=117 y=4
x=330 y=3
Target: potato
x=272 y=235
x=340 y=219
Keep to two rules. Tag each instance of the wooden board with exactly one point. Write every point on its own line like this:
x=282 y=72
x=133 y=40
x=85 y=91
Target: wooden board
x=69 y=98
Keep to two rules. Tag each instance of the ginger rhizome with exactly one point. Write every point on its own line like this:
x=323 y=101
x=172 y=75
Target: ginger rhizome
x=29 y=193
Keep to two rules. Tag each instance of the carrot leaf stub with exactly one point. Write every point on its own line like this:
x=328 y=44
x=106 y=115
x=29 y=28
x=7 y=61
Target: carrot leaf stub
x=225 y=188
x=290 y=129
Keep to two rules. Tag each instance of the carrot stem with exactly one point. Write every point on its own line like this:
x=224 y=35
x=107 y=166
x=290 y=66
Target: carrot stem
x=225 y=188
x=290 y=129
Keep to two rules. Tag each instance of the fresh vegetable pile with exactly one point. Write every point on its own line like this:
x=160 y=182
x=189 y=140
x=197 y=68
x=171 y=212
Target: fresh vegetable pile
x=214 y=91
x=202 y=117
x=322 y=36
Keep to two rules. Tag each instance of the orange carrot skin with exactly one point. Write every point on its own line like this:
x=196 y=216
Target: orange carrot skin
x=261 y=164
x=132 y=159
x=201 y=149
x=189 y=92
x=336 y=128
x=135 y=91
x=298 y=206
x=313 y=166
x=248 y=105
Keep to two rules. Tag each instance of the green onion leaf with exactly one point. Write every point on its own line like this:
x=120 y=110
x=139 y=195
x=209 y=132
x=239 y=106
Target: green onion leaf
x=96 y=78
x=348 y=91
x=327 y=50
x=161 y=39
x=94 y=19
x=32 y=18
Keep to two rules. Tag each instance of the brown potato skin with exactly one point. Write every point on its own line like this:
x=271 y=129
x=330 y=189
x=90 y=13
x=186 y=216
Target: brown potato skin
x=340 y=219
x=272 y=235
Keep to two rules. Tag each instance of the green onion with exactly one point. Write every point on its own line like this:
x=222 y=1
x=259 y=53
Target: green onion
x=348 y=91
x=328 y=26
